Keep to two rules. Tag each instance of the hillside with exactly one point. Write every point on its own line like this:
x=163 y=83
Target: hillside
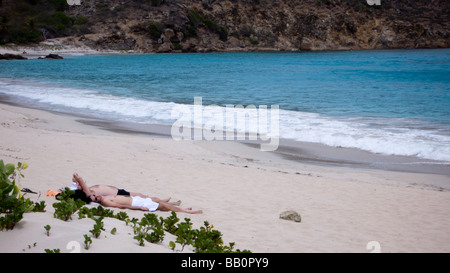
x=232 y=25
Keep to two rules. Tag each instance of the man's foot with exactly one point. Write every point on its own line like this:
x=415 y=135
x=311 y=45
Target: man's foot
x=196 y=212
x=190 y=211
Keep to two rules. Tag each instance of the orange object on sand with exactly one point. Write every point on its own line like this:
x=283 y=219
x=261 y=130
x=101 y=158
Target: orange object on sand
x=52 y=192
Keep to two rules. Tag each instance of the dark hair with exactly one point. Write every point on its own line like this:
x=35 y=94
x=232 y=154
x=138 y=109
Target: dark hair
x=78 y=194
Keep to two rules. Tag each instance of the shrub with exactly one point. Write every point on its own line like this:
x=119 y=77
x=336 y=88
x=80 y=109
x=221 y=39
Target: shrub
x=98 y=227
x=87 y=241
x=196 y=19
x=60 y=20
x=204 y=240
x=47 y=228
x=169 y=222
x=210 y=240
x=12 y=204
x=56 y=250
x=150 y=229
x=60 y=5
x=95 y=211
x=67 y=206
x=155 y=29
x=185 y=234
x=81 y=20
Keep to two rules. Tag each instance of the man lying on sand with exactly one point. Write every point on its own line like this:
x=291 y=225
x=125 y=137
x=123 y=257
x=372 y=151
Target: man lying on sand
x=139 y=203
x=110 y=196
x=106 y=190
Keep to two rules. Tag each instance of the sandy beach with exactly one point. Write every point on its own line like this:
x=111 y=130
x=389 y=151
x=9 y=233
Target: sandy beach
x=60 y=46
x=241 y=190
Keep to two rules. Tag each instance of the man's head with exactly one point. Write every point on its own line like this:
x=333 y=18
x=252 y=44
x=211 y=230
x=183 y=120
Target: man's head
x=96 y=198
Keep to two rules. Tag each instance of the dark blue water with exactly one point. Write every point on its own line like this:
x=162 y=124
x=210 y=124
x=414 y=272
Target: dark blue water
x=393 y=102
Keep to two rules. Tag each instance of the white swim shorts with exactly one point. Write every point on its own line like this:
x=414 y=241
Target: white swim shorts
x=144 y=202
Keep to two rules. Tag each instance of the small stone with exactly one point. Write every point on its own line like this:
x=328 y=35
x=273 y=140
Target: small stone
x=291 y=215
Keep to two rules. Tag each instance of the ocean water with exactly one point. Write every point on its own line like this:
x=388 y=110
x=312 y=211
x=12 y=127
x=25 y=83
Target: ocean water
x=394 y=102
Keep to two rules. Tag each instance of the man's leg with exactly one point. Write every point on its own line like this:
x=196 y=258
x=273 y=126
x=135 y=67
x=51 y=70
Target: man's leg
x=156 y=199
x=163 y=206
x=139 y=194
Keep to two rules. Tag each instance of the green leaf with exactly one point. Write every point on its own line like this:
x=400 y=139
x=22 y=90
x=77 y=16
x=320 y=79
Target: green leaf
x=172 y=245
x=9 y=169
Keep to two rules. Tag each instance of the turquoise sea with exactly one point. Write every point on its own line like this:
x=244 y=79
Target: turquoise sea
x=389 y=101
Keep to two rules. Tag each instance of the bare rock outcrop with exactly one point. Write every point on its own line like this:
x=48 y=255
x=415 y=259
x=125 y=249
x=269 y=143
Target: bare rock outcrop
x=8 y=56
x=251 y=25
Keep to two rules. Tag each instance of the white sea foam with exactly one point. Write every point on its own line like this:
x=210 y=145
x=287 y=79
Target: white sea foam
x=386 y=136
x=392 y=136
x=89 y=102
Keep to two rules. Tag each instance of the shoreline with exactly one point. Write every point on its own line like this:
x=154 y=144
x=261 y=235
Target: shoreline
x=296 y=151
x=52 y=46
x=241 y=191
x=291 y=151
x=61 y=47
x=302 y=152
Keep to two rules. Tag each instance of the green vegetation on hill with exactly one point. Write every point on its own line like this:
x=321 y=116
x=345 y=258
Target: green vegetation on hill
x=30 y=21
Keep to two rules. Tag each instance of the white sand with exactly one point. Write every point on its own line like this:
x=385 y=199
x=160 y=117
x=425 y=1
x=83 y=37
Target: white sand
x=242 y=192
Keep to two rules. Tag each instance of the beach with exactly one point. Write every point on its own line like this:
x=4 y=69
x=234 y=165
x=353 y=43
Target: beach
x=60 y=46
x=240 y=189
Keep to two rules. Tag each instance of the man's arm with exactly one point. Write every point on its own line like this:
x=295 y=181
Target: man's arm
x=110 y=202
x=83 y=185
x=139 y=208
x=107 y=202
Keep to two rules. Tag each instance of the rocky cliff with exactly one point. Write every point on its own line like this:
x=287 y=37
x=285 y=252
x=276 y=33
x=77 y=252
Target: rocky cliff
x=247 y=25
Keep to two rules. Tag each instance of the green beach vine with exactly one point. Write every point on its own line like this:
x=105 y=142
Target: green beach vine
x=12 y=203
